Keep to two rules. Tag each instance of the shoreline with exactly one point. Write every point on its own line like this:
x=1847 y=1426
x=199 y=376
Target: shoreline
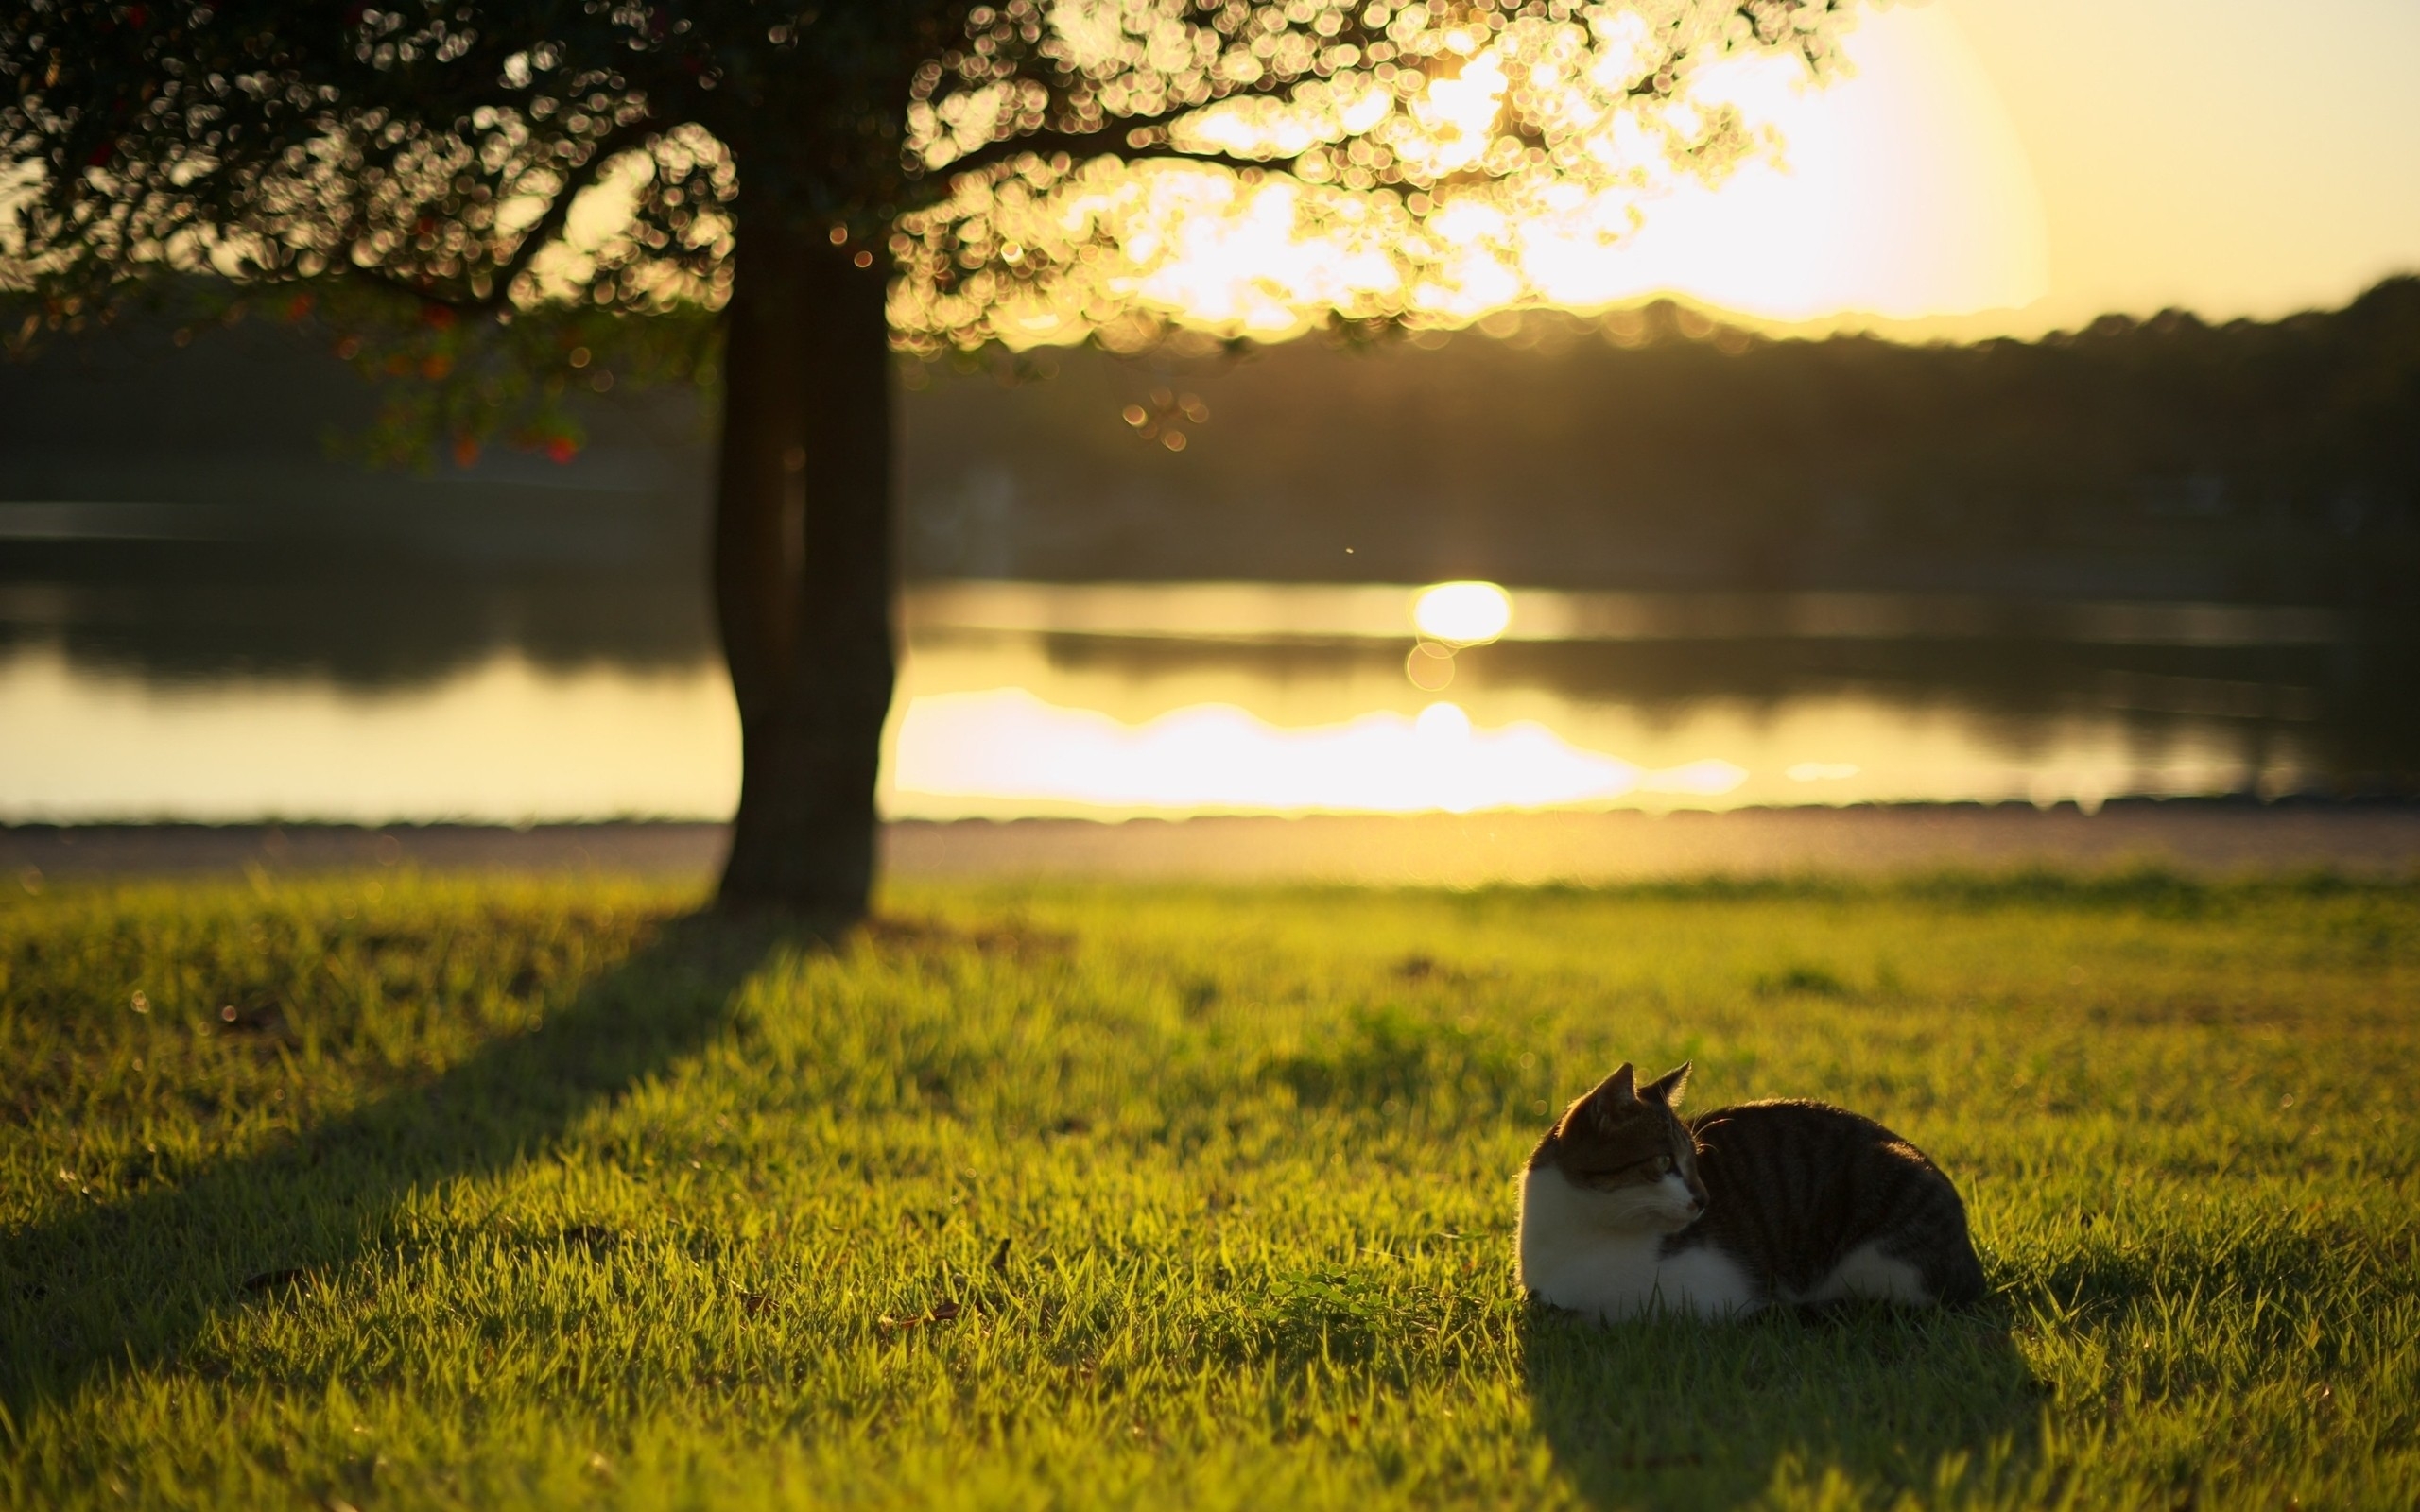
x=2205 y=838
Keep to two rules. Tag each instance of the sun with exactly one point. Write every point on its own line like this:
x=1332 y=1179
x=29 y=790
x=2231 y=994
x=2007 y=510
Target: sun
x=1900 y=190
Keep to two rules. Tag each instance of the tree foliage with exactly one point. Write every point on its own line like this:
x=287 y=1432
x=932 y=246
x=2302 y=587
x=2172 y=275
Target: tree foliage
x=1026 y=165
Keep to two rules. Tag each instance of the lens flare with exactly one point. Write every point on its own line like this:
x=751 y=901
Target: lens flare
x=1466 y=613
x=1430 y=666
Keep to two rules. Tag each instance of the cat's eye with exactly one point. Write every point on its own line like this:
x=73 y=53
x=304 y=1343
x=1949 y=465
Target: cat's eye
x=1663 y=1165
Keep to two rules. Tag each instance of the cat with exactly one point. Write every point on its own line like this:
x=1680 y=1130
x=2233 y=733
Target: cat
x=1626 y=1207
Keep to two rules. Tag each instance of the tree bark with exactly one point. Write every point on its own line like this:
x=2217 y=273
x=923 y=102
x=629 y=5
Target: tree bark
x=802 y=568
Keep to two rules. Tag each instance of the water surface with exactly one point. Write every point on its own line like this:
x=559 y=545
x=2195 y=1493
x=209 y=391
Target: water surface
x=521 y=701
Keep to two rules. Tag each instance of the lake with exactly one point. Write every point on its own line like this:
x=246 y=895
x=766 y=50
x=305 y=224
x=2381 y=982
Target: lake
x=187 y=694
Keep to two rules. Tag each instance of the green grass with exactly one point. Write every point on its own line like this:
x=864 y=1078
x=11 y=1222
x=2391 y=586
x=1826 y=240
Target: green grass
x=519 y=1194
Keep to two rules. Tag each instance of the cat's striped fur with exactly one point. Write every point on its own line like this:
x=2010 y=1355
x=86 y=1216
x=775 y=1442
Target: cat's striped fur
x=1626 y=1207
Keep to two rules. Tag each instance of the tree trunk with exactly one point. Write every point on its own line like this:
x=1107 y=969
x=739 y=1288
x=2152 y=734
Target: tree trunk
x=802 y=568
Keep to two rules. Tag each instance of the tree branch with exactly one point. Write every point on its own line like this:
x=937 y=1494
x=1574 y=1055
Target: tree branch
x=541 y=233
x=1110 y=139
x=546 y=227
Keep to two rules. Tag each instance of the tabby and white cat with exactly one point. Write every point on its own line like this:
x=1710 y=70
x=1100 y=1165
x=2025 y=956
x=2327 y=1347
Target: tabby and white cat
x=1626 y=1207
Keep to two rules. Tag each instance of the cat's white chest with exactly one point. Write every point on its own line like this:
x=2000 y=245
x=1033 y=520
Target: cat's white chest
x=1577 y=1254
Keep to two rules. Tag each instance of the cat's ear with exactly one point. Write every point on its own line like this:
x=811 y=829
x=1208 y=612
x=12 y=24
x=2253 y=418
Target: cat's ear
x=1615 y=1093
x=1667 y=1088
x=1601 y=1102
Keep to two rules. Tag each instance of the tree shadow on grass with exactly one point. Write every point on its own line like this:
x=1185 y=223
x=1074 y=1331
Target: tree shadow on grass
x=137 y=1282
x=1670 y=1413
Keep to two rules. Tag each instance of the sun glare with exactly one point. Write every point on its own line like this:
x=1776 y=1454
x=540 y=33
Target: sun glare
x=1900 y=190
x=1462 y=613
x=1007 y=744
x=1443 y=722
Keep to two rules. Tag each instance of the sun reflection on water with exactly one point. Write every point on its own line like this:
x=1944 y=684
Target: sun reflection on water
x=1006 y=745
x=1466 y=613
x=1124 y=700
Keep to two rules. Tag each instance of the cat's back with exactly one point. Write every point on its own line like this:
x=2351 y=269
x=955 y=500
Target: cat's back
x=1811 y=1125
x=1823 y=1202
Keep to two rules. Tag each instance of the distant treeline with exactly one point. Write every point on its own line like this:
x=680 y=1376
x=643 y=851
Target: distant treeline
x=1649 y=448
x=1654 y=448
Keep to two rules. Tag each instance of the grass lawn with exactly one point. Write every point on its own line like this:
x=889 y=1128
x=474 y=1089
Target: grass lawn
x=412 y=1193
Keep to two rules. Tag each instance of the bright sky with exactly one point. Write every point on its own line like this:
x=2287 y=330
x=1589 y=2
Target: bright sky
x=1990 y=166
x=2240 y=158
x=1903 y=189
x=2041 y=161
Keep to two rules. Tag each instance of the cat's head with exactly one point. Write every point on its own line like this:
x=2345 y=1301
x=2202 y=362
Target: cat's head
x=1625 y=1145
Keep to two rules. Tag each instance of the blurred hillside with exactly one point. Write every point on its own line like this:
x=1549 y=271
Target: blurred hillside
x=1652 y=449
x=187 y=505
x=2274 y=462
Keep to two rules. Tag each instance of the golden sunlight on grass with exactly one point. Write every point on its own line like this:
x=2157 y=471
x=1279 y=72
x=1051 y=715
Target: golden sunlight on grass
x=441 y=1194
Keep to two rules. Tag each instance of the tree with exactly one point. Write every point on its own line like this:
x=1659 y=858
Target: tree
x=838 y=179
